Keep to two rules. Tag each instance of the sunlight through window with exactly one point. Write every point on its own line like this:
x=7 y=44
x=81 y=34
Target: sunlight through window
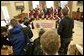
x=63 y=3
x=49 y=4
x=35 y=3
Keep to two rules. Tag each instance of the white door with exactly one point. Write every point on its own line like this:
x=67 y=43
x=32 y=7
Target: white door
x=5 y=13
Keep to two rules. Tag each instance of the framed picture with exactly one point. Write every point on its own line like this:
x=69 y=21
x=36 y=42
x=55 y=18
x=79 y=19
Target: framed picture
x=80 y=3
x=19 y=5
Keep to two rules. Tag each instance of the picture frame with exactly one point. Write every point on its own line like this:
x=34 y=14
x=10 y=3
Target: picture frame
x=19 y=5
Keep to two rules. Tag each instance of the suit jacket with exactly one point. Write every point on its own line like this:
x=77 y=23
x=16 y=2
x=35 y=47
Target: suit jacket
x=45 y=10
x=66 y=26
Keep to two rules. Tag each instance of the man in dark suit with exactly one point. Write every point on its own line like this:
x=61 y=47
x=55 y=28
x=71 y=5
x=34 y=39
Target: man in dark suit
x=45 y=10
x=65 y=31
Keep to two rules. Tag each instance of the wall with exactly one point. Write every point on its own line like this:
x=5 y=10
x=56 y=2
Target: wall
x=56 y=3
x=12 y=10
x=75 y=6
x=30 y=5
x=26 y=5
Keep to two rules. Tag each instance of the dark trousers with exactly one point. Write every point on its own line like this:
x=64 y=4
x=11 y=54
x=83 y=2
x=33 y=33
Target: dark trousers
x=64 y=46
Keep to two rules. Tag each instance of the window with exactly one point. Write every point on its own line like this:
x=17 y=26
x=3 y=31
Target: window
x=35 y=3
x=63 y=3
x=5 y=13
x=49 y=4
